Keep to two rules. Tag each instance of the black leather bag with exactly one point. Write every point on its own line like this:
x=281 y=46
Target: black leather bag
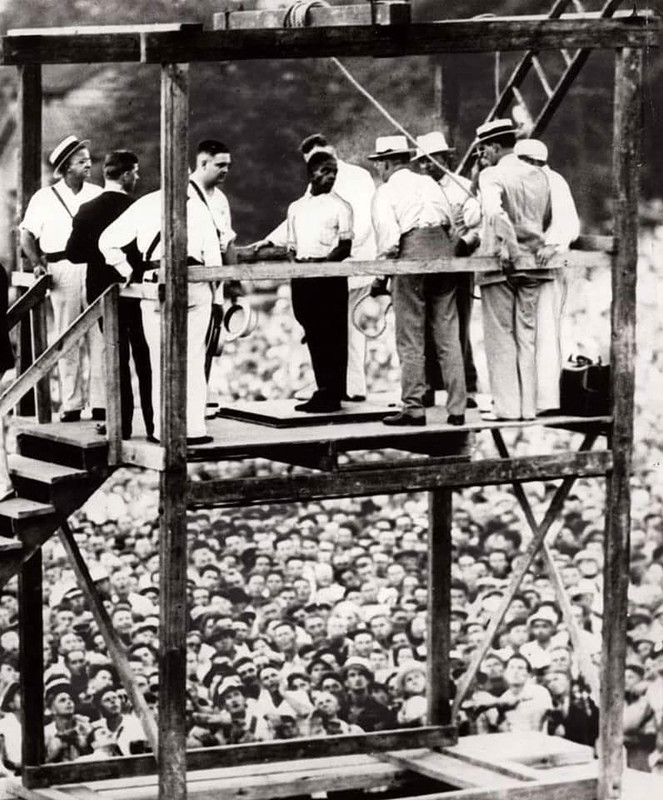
x=584 y=388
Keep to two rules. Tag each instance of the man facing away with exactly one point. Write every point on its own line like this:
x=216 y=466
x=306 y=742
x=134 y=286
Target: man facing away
x=433 y=157
x=515 y=201
x=44 y=232
x=563 y=229
x=410 y=220
x=92 y=219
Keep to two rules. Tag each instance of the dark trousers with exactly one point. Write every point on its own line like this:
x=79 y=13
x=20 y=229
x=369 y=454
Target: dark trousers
x=133 y=343
x=320 y=306
x=464 y=300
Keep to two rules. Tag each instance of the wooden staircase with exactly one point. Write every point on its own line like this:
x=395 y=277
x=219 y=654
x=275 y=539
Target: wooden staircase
x=56 y=469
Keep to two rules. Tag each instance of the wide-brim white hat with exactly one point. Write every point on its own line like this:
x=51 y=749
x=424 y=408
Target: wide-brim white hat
x=430 y=143
x=386 y=146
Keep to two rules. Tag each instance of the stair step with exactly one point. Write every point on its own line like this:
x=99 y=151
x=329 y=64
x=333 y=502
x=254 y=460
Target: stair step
x=43 y=471
x=76 y=444
x=9 y=545
x=20 y=508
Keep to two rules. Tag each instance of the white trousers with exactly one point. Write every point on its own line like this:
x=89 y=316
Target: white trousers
x=68 y=301
x=548 y=341
x=356 y=374
x=199 y=311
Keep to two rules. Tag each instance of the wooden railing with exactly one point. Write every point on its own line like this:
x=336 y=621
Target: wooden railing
x=104 y=307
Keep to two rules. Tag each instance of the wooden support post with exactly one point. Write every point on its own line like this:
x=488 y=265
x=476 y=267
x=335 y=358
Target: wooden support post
x=115 y=648
x=626 y=148
x=31 y=660
x=438 y=693
x=29 y=180
x=112 y=345
x=173 y=483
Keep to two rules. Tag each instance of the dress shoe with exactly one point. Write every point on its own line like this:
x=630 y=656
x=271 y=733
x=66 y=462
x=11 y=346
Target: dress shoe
x=193 y=441
x=471 y=402
x=101 y=429
x=550 y=412
x=456 y=419
x=70 y=416
x=319 y=404
x=405 y=418
x=354 y=398
x=428 y=400
x=152 y=439
x=99 y=414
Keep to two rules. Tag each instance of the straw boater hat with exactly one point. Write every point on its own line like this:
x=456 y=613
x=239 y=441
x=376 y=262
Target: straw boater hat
x=63 y=151
x=493 y=129
x=386 y=146
x=431 y=143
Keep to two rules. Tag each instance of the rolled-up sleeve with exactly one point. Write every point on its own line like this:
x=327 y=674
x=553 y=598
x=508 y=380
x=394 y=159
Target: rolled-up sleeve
x=385 y=222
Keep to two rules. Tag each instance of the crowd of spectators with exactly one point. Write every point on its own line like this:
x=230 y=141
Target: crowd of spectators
x=311 y=619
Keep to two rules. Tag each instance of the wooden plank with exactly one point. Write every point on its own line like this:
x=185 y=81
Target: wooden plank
x=173 y=481
x=555 y=507
x=80 y=30
x=47 y=360
x=283 y=270
x=88 y=48
x=453 y=36
x=29 y=124
x=383 y=13
x=44 y=471
x=116 y=649
x=321 y=457
x=584 y=789
x=451 y=770
x=530 y=750
x=40 y=340
x=81 y=434
x=30 y=596
x=438 y=694
x=607 y=244
x=392 y=478
x=35 y=294
x=112 y=345
x=144 y=454
x=626 y=154
x=20 y=508
x=237 y=755
x=7 y=544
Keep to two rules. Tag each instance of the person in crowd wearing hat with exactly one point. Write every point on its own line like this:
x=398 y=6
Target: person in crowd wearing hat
x=44 y=232
x=11 y=728
x=67 y=735
x=363 y=709
x=327 y=706
x=542 y=627
x=515 y=203
x=355 y=185
x=126 y=728
x=242 y=725
x=320 y=228
x=433 y=158
x=92 y=218
x=639 y=740
x=410 y=218
x=563 y=228
x=141 y=223
x=650 y=707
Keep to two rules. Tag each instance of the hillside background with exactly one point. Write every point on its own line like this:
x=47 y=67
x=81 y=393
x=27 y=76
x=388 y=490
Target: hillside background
x=262 y=109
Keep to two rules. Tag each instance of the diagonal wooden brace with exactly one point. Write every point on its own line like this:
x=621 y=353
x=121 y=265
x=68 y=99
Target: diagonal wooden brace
x=551 y=515
x=115 y=649
x=587 y=668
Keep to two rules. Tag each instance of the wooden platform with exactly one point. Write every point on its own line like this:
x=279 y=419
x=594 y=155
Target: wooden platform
x=470 y=770
x=282 y=413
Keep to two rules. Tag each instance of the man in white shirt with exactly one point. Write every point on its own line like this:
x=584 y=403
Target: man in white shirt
x=563 y=229
x=142 y=222
x=409 y=217
x=44 y=232
x=320 y=229
x=356 y=186
x=465 y=212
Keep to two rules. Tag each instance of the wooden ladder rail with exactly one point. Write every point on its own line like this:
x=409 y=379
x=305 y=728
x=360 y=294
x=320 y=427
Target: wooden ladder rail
x=530 y=60
x=104 y=307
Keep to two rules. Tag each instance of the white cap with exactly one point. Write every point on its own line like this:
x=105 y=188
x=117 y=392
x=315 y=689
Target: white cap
x=532 y=148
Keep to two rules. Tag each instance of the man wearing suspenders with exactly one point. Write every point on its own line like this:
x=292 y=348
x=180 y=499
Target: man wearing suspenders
x=44 y=232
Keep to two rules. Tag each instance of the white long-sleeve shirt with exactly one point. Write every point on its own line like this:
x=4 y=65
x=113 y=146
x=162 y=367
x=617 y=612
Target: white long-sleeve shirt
x=142 y=220
x=564 y=225
x=406 y=201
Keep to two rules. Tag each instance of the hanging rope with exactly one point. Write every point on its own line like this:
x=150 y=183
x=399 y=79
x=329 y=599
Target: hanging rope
x=296 y=17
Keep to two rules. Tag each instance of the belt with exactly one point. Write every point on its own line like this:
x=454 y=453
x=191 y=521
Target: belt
x=151 y=273
x=53 y=257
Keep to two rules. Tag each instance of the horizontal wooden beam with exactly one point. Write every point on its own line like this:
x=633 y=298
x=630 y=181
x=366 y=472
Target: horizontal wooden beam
x=453 y=36
x=379 y=13
x=582 y=789
x=235 y=755
x=395 y=479
x=284 y=270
